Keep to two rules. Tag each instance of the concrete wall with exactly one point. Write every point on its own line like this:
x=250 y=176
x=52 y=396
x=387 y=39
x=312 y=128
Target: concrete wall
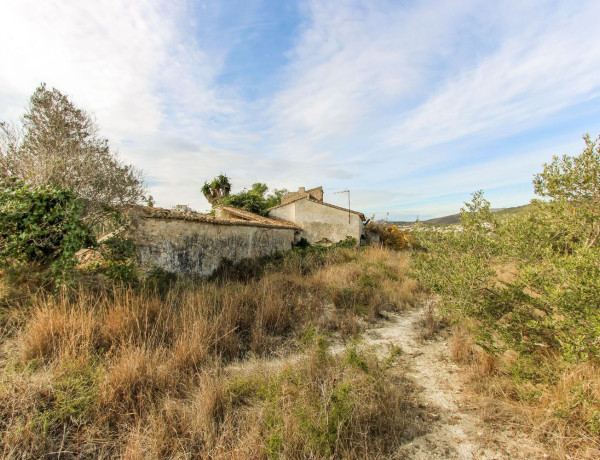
x=286 y=212
x=320 y=223
x=198 y=248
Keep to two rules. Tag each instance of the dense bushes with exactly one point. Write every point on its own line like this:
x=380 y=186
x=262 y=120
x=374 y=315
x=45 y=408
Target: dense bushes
x=552 y=299
x=255 y=200
x=40 y=225
x=530 y=283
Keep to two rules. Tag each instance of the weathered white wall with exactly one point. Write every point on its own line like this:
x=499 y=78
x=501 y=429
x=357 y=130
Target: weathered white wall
x=198 y=248
x=321 y=223
x=286 y=212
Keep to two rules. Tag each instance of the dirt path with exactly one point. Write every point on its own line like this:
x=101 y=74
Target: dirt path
x=457 y=431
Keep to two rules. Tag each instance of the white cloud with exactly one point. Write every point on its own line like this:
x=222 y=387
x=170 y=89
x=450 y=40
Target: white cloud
x=372 y=97
x=548 y=64
x=353 y=60
x=101 y=53
x=137 y=66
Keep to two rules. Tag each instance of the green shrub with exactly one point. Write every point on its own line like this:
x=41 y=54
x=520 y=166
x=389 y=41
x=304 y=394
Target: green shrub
x=41 y=225
x=119 y=260
x=552 y=302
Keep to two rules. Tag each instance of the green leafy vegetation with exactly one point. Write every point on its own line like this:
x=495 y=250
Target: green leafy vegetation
x=217 y=189
x=40 y=225
x=119 y=261
x=255 y=200
x=529 y=283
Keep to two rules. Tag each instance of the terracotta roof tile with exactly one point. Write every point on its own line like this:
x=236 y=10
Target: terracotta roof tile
x=243 y=214
x=161 y=213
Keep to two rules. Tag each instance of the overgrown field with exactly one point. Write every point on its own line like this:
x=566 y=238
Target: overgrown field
x=524 y=294
x=176 y=371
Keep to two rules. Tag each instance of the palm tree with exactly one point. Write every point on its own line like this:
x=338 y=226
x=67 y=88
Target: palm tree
x=217 y=189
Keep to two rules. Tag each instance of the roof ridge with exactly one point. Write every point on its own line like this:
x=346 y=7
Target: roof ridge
x=258 y=217
x=162 y=213
x=289 y=202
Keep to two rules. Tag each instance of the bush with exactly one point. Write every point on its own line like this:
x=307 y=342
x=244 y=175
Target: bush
x=391 y=236
x=41 y=225
x=118 y=261
x=542 y=322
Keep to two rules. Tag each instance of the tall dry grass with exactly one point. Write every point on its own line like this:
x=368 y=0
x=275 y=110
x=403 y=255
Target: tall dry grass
x=557 y=402
x=143 y=374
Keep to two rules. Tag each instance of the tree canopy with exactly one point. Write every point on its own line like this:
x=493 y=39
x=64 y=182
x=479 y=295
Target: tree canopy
x=58 y=144
x=571 y=186
x=255 y=200
x=217 y=189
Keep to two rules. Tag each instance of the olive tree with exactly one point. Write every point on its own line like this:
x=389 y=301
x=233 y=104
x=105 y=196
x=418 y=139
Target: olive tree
x=571 y=186
x=551 y=302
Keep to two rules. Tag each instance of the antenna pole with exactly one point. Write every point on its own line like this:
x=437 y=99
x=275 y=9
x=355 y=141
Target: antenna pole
x=348 y=192
x=348 y=206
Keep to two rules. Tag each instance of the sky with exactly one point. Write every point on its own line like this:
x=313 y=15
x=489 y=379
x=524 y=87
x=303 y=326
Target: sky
x=410 y=105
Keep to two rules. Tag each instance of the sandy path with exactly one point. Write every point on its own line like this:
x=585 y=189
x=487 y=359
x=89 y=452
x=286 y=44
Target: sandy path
x=457 y=431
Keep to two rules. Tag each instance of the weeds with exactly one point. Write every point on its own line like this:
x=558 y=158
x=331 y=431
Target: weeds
x=147 y=372
x=558 y=402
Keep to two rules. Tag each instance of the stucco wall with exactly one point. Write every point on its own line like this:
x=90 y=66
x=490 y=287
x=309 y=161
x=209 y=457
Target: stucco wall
x=286 y=212
x=198 y=248
x=320 y=223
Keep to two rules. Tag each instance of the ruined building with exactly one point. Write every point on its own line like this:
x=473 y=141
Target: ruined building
x=321 y=223
x=187 y=242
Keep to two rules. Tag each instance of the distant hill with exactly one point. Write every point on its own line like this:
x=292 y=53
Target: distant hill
x=455 y=218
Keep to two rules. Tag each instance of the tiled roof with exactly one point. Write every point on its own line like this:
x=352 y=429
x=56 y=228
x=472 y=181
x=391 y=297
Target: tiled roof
x=161 y=213
x=250 y=216
x=301 y=197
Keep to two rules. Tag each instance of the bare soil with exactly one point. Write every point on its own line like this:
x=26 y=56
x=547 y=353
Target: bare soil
x=456 y=429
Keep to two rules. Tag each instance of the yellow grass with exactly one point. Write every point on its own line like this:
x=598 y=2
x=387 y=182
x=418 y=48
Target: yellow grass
x=560 y=407
x=141 y=374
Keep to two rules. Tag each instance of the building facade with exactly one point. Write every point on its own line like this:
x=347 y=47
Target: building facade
x=321 y=223
x=196 y=244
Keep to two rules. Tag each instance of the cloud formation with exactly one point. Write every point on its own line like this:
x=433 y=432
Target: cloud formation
x=412 y=105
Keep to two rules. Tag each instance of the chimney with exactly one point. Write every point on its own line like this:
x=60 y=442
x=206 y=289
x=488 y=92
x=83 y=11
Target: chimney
x=301 y=189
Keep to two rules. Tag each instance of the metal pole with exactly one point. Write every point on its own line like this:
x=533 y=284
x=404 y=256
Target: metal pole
x=348 y=192
x=348 y=206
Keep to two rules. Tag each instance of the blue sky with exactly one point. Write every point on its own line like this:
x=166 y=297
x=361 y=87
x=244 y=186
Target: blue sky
x=411 y=105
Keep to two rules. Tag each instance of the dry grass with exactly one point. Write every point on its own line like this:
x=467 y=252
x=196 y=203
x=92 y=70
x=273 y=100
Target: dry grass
x=142 y=374
x=432 y=321
x=558 y=403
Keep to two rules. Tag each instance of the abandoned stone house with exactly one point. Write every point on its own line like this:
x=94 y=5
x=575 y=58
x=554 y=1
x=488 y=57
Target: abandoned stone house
x=187 y=242
x=321 y=223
